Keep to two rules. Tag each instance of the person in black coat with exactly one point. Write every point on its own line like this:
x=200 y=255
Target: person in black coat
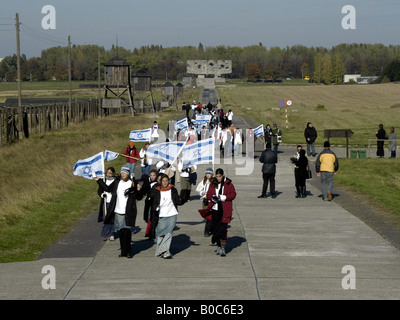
x=310 y=133
x=301 y=174
x=381 y=135
x=268 y=159
x=122 y=208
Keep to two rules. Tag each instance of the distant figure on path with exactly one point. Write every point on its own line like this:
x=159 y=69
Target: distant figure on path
x=326 y=166
x=310 y=133
x=276 y=137
x=381 y=135
x=269 y=159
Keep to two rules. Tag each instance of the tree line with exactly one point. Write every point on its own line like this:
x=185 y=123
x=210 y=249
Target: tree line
x=321 y=65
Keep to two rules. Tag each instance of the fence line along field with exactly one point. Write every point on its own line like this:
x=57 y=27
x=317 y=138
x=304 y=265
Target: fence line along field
x=358 y=107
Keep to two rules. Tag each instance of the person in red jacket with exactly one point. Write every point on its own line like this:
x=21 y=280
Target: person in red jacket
x=133 y=155
x=221 y=192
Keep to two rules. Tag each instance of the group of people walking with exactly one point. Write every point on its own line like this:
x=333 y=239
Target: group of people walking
x=118 y=207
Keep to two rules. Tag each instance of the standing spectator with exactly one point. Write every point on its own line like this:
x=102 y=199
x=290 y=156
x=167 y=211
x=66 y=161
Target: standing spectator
x=165 y=207
x=269 y=159
x=381 y=135
x=294 y=160
x=301 y=174
x=392 y=143
x=145 y=162
x=222 y=193
x=251 y=139
x=202 y=189
x=276 y=137
x=268 y=135
x=123 y=210
x=133 y=157
x=310 y=133
x=326 y=166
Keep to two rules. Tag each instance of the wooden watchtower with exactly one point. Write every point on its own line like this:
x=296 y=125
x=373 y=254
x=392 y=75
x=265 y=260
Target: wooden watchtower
x=117 y=80
x=142 y=89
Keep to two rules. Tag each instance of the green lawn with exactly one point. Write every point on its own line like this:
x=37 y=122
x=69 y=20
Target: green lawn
x=379 y=179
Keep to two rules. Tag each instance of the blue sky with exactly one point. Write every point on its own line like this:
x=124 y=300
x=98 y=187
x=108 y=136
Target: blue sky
x=186 y=22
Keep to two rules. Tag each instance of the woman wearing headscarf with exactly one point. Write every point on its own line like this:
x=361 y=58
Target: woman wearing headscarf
x=165 y=210
x=221 y=193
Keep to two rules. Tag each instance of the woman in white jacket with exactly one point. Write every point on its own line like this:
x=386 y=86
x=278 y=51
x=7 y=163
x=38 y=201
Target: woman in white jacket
x=202 y=189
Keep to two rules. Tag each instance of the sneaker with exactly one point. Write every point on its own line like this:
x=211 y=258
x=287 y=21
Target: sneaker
x=111 y=238
x=262 y=196
x=218 y=251
x=223 y=254
x=167 y=255
x=329 y=196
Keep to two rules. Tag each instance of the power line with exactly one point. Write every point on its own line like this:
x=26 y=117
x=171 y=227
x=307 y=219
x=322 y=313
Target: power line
x=40 y=36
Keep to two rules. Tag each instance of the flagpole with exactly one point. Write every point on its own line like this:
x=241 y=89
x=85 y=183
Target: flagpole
x=129 y=156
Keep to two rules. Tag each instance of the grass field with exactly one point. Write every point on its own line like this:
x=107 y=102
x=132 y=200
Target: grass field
x=357 y=107
x=377 y=179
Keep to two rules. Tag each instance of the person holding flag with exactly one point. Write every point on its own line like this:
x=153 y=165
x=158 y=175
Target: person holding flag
x=122 y=208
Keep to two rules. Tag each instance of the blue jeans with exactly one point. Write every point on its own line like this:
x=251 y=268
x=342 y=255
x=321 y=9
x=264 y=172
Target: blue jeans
x=327 y=183
x=132 y=167
x=312 y=147
x=146 y=170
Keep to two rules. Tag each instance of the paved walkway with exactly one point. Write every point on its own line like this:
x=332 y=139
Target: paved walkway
x=283 y=248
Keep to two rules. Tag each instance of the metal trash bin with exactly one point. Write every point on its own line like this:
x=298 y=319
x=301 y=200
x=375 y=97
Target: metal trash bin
x=362 y=154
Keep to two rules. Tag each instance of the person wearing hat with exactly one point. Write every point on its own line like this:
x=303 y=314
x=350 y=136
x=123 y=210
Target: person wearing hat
x=132 y=157
x=202 y=189
x=122 y=208
x=145 y=162
x=326 y=166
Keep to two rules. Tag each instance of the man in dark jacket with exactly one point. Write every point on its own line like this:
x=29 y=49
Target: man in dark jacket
x=311 y=135
x=268 y=159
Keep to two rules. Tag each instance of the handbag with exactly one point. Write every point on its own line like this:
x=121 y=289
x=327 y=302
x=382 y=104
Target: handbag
x=309 y=173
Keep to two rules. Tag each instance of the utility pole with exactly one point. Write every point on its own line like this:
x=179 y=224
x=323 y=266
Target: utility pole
x=69 y=76
x=20 y=121
x=98 y=80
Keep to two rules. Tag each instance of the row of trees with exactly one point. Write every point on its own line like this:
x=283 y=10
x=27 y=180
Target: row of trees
x=322 y=65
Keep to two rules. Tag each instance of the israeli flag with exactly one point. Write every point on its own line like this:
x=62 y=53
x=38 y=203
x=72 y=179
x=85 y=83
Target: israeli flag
x=110 y=155
x=181 y=124
x=87 y=167
x=200 y=152
x=167 y=151
x=140 y=135
x=259 y=131
x=202 y=120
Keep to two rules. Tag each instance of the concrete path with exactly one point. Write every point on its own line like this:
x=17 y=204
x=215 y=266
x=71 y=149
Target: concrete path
x=283 y=248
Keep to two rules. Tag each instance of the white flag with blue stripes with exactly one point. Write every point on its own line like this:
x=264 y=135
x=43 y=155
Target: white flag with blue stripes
x=181 y=124
x=166 y=151
x=86 y=168
x=110 y=155
x=200 y=152
x=140 y=135
x=259 y=131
